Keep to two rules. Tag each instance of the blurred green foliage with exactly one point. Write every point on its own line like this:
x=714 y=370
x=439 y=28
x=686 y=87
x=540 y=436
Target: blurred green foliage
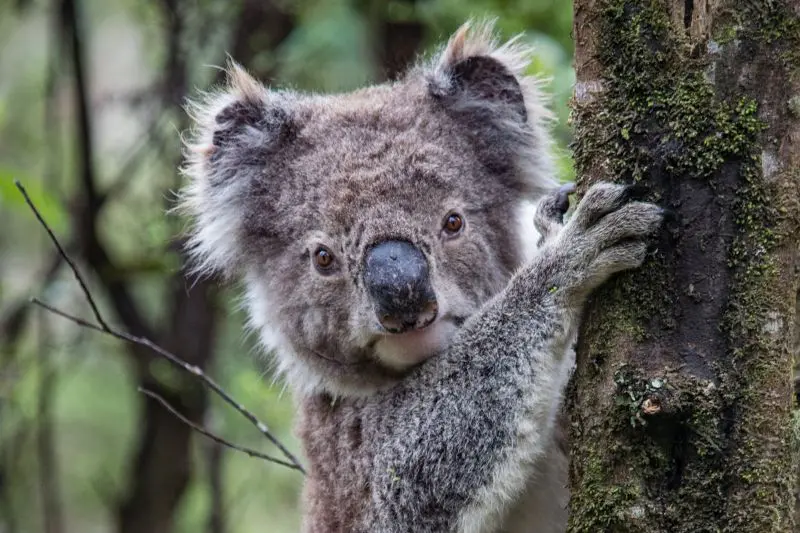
x=331 y=47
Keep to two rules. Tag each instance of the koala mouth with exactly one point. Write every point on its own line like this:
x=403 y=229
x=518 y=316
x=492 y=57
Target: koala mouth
x=403 y=350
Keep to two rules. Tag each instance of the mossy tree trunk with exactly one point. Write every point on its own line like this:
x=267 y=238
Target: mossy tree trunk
x=681 y=406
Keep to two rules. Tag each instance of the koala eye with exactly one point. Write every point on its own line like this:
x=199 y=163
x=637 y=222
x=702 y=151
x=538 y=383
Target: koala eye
x=323 y=259
x=453 y=224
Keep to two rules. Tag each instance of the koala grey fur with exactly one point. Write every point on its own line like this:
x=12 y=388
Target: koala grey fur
x=451 y=427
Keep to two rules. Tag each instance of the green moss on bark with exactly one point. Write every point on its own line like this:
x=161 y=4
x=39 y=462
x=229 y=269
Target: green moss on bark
x=658 y=108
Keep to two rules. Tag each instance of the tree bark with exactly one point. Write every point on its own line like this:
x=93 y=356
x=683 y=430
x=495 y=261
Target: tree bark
x=681 y=405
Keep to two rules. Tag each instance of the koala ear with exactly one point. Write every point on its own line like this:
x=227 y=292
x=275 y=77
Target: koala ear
x=483 y=85
x=241 y=125
x=473 y=67
x=237 y=130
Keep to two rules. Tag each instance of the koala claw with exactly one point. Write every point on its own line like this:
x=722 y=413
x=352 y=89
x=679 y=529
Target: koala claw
x=562 y=197
x=600 y=200
x=607 y=234
x=549 y=216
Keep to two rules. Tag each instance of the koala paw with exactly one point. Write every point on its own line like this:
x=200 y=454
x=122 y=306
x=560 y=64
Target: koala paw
x=549 y=217
x=608 y=233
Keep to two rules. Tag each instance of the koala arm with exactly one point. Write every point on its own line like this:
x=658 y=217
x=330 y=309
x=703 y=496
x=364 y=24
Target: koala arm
x=457 y=440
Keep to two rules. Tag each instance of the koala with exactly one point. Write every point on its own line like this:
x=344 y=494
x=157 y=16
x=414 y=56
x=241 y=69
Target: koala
x=390 y=264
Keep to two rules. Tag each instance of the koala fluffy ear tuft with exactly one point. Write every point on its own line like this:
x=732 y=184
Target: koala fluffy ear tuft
x=474 y=67
x=248 y=121
x=482 y=84
x=237 y=132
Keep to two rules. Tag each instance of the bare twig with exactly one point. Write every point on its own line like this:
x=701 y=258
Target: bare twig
x=63 y=253
x=13 y=318
x=192 y=369
x=212 y=436
x=103 y=327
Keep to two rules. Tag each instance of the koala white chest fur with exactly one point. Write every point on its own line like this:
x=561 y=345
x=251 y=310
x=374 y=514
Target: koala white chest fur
x=378 y=234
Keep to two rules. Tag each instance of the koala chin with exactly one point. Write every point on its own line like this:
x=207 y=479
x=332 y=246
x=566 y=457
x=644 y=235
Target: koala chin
x=390 y=261
x=408 y=349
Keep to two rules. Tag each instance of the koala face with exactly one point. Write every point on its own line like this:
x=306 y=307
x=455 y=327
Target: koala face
x=369 y=226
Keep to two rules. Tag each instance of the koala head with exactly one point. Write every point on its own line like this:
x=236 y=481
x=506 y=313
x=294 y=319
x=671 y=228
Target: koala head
x=368 y=226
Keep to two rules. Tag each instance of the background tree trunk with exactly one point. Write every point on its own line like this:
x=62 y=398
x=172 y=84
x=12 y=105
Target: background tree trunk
x=681 y=406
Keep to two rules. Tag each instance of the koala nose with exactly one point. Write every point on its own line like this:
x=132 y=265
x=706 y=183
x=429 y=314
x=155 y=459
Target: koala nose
x=397 y=279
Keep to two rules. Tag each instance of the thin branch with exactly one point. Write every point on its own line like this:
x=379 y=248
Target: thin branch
x=13 y=318
x=192 y=369
x=147 y=343
x=214 y=437
x=63 y=253
x=81 y=322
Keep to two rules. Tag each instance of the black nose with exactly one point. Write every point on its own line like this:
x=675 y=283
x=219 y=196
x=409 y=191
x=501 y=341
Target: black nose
x=396 y=276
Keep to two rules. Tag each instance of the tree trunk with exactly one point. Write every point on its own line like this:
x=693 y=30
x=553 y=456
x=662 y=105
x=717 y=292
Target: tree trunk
x=681 y=406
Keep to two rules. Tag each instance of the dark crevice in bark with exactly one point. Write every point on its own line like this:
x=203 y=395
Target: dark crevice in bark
x=797 y=351
x=695 y=253
x=688 y=10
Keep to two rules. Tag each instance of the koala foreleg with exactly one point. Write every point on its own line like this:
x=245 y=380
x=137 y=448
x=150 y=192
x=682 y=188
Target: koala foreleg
x=458 y=440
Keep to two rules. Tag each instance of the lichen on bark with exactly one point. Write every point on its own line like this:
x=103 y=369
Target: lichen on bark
x=686 y=115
